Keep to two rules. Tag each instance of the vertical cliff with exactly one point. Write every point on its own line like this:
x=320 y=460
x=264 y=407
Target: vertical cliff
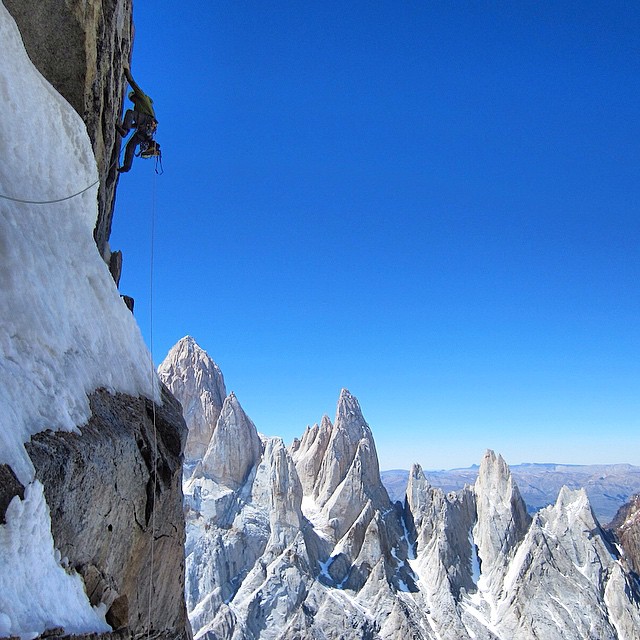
x=79 y=47
x=91 y=447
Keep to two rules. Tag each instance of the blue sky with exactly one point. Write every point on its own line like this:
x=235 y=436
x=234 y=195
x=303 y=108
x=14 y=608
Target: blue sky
x=432 y=204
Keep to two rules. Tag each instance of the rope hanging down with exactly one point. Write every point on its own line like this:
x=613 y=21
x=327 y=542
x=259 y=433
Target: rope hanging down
x=155 y=431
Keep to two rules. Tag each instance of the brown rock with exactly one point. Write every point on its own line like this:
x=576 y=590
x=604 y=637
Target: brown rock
x=115 y=514
x=118 y=614
x=96 y=37
x=10 y=487
x=626 y=528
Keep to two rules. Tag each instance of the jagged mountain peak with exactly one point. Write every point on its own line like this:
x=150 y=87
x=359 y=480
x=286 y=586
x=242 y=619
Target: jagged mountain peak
x=282 y=541
x=496 y=484
x=187 y=342
x=349 y=416
x=185 y=349
x=235 y=446
x=502 y=518
x=573 y=500
x=186 y=356
x=280 y=558
x=347 y=401
x=417 y=490
x=197 y=382
x=494 y=466
x=566 y=576
x=345 y=448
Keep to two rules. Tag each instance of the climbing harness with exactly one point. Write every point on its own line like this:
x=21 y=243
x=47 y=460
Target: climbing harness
x=151 y=149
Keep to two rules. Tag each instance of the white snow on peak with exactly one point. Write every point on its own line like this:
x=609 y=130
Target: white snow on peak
x=65 y=332
x=475 y=561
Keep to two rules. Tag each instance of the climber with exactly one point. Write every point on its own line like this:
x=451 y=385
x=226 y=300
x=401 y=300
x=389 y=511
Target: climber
x=143 y=118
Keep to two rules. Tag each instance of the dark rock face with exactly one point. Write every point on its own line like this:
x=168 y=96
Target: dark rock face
x=115 y=515
x=80 y=46
x=626 y=529
x=10 y=487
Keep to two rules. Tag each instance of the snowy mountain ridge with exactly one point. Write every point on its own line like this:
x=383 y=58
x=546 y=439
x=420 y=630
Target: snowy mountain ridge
x=609 y=486
x=304 y=542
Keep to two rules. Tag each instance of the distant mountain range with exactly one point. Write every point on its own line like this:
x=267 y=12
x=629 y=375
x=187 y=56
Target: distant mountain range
x=303 y=542
x=609 y=486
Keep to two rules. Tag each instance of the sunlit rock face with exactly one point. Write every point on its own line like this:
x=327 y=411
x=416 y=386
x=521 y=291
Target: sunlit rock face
x=115 y=497
x=191 y=375
x=96 y=38
x=303 y=542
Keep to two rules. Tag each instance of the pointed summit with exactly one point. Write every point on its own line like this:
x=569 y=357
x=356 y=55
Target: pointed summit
x=235 y=447
x=349 y=436
x=197 y=382
x=310 y=452
x=349 y=416
x=503 y=520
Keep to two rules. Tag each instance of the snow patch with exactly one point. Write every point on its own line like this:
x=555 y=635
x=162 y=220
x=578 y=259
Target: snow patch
x=317 y=517
x=478 y=615
x=36 y=593
x=475 y=561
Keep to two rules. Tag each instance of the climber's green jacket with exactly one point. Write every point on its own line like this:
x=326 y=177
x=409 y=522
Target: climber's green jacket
x=142 y=102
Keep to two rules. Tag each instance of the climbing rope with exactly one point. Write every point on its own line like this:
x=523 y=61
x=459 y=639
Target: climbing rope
x=154 y=470
x=73 y=195
x=23 y=201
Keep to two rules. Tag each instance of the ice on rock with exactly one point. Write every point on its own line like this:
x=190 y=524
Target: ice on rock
x=36 y=593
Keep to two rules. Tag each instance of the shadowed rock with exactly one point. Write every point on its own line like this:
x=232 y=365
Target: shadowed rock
x=114 y=491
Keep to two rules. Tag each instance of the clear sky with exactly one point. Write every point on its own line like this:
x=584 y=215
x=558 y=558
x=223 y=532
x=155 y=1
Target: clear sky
x=434 y=204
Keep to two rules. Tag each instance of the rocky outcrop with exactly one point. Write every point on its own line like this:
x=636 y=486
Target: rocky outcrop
x=114 y=492
x=80 y=47
x=343 y=477
x=625 y=527
x=191 y=375
x=100 y=519
x=10 y=487
x=234 y=448
x=502 y=518
x=565 y=575
x=609 y=486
